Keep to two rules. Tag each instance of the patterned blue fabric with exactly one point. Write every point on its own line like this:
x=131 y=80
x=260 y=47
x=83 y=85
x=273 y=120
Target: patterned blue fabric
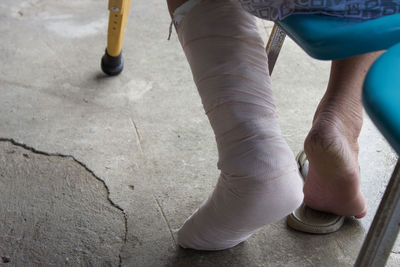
x=357 y=9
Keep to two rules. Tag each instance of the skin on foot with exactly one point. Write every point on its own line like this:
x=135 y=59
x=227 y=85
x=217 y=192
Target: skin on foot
x=333 y=181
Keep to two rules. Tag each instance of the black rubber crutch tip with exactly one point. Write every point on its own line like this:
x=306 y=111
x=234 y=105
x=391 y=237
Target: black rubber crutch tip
x=112 y=65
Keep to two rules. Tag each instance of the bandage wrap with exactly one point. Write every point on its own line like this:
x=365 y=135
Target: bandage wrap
x=259 y=181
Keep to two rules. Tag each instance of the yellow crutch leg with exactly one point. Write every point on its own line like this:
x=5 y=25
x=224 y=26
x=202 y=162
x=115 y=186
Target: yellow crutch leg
x=112 y=62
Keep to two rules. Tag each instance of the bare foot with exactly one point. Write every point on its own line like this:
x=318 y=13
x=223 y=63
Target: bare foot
x=333 y=181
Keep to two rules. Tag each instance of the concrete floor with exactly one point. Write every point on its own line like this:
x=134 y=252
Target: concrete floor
x=100 y=171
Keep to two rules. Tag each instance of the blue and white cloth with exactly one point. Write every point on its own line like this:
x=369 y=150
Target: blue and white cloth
x=357 y=9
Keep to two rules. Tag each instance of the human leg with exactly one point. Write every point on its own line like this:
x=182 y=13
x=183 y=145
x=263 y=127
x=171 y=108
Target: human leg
x=333 y=181
x=259 y=181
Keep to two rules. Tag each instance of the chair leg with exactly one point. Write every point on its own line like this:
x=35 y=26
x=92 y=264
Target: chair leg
x=112 y=62
x=385 y=226
x=274 y=46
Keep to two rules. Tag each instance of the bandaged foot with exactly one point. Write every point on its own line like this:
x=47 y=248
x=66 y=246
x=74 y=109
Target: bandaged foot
x=259 y=181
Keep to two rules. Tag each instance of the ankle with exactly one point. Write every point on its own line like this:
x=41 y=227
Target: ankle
x=330 y=133
x=346 y=115
x=326 y=143
x=322 y=138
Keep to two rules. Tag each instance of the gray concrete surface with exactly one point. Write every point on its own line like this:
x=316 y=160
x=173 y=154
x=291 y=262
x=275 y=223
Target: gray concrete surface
x=144 y=134
x=54 y=211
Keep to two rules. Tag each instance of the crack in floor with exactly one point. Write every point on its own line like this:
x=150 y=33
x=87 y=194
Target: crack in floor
x=165 y=220
x=115 y=205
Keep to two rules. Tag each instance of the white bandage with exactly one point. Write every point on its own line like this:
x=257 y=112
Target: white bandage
x=259 y=181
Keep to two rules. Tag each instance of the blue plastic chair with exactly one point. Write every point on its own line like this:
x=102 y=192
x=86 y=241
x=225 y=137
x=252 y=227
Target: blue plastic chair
x=330 y=38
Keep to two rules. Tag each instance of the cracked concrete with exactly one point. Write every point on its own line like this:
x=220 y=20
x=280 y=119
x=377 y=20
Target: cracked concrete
x=145 y=135
x=55 y=211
